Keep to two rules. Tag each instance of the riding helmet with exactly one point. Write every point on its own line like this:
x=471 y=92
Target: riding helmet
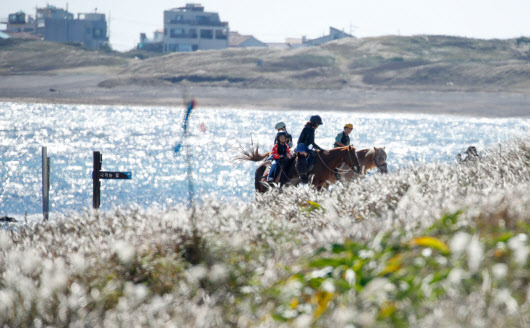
x=349 y=125
x=280 y=125
x=281 y=133
x=315 y=119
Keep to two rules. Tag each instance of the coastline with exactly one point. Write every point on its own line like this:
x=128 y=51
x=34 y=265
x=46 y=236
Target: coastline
x=83 y=89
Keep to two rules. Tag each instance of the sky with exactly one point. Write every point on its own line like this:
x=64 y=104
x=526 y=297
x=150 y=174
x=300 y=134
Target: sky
x=275 y=20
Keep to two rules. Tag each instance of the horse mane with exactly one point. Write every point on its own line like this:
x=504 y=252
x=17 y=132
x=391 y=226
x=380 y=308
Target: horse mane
x=366 y=158
x=370 y=152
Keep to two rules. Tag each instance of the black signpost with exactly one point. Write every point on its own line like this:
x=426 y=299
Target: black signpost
x=97 y=174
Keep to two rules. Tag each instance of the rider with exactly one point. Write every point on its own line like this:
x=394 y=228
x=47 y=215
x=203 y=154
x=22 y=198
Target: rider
x=306 y=139
x=342 y=140
x=280 y=153
x=280 y=126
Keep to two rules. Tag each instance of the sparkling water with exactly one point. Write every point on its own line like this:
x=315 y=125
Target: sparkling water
x=142 y=139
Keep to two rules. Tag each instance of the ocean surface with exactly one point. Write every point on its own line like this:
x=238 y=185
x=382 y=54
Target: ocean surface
x=142 y=139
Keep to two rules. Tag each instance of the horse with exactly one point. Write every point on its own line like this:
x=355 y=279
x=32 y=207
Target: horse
x=319 y=175
x=368 y=159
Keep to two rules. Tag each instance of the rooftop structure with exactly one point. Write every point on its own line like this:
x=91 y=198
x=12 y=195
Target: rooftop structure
x=334 y=34
x=20 y=22
x=243 y=41
x=155 y=44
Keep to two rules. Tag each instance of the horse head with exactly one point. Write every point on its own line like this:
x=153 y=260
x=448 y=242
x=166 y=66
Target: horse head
x=380 y=159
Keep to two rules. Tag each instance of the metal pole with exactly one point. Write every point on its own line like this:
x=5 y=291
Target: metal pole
x=96 y=190
x=189 y=172
x=45 y=184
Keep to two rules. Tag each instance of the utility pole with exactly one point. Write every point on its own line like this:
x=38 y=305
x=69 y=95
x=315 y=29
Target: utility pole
x=45 y=183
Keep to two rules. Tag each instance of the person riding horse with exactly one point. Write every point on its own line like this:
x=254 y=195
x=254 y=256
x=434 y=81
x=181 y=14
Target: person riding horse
x=306 y=139
x=342 y=140
x=280 y=126
x=281 y=153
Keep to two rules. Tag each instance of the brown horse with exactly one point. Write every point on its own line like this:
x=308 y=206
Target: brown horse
x=322 y=170
x=368 y=159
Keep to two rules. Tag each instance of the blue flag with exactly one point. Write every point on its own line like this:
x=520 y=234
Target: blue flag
x=189 y=108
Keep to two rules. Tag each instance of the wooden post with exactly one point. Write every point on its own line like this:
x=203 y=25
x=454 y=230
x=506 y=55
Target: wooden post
x=45 y=184
x=95 y=177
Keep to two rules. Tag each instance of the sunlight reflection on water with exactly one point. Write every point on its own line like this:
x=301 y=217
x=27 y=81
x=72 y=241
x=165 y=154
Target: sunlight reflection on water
x=141 y=140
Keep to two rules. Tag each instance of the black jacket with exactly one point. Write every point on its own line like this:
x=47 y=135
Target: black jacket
x=343 y=138
x=307 y=137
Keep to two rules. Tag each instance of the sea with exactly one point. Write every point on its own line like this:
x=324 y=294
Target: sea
x=142 y=140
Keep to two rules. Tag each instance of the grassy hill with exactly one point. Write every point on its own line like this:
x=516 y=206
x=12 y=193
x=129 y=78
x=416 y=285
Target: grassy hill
x=417 y=62
x=439 y=62
x=20 y=56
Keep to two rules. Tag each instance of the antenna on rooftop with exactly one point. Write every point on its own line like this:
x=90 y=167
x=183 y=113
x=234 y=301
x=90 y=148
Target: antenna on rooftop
x=352 y=27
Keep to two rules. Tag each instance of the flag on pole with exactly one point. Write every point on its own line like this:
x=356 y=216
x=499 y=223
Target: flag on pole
x=189 y=108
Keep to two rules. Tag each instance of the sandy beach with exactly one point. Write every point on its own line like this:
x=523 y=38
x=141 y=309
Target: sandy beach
x=71 y=88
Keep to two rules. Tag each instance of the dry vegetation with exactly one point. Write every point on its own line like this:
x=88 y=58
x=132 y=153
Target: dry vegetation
x=418 y=62
x=440 y=62
x=428 y=246
x=23 y=57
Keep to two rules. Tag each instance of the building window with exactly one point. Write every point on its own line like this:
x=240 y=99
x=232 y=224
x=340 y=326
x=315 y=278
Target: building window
x=184 y=47
x=203 y=20
x=194 y=47
x=176 y=20
x=88 y=31
x=98 y=33
x=165 y=31
x=221 y=34
x=177 y=33
x=206 y=34
x=193 y=33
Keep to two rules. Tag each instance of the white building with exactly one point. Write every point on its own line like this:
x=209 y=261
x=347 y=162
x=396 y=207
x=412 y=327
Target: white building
x=190 y=28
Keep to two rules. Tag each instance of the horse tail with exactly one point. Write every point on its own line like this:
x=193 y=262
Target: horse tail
x=251 y=154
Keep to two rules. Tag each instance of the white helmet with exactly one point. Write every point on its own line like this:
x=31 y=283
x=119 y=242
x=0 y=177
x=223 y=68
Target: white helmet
x=280 y=125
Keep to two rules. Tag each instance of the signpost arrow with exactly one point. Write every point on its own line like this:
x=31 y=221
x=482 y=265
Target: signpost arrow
x=115 y=175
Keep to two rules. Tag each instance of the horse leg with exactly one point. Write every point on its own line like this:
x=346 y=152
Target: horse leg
x=301 y=166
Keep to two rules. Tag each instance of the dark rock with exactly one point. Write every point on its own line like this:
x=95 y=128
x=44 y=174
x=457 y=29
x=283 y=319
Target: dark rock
x=7 y=219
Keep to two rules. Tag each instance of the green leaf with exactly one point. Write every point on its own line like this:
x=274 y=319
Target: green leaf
x=325 y=262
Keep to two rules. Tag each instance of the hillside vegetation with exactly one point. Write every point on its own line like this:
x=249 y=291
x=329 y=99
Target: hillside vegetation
x=439 y=62
x=418 y=62
x=23 y=57
x=427 y=246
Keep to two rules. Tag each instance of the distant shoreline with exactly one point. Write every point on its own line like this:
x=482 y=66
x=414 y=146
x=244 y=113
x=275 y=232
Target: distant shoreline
x=83 y=89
